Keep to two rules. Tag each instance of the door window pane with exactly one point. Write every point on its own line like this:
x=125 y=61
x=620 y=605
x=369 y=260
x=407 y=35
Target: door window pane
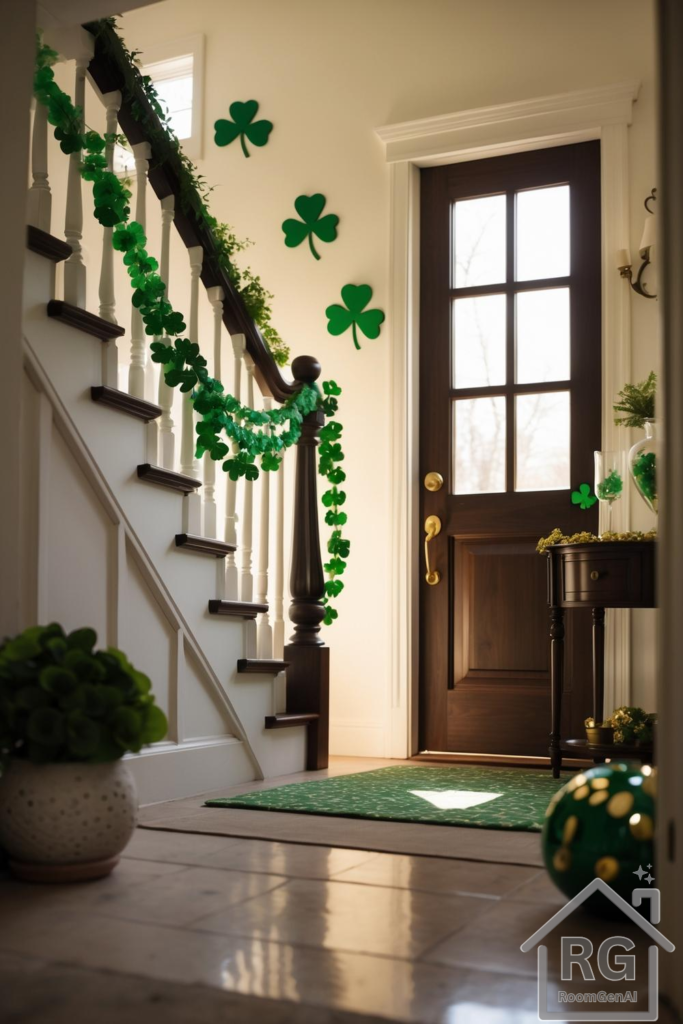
x=542 y=441
x=542 y=330
x=479 y=241
x=543 y=233
x=479 y=341
x=479 y=445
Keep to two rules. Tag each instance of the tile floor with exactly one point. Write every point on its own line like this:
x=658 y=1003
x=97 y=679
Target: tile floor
x=196 y=928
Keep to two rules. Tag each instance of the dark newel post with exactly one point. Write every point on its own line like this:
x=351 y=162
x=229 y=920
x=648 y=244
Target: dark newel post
x=308 y=671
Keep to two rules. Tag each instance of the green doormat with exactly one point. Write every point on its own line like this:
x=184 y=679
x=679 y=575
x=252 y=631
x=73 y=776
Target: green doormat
x=500 y=798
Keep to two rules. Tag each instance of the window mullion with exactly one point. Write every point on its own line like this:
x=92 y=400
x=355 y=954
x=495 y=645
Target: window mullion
x=510 y=342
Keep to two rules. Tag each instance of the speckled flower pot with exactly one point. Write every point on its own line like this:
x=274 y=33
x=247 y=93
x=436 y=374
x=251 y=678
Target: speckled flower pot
x=66 y=822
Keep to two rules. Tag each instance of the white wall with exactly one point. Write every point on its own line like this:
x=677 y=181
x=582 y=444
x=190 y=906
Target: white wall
x=327 y=74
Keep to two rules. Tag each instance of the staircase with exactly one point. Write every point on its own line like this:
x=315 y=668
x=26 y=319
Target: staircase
x=152 y=550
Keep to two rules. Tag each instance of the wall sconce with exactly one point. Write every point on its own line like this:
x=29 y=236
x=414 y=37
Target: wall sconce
x=649 y=238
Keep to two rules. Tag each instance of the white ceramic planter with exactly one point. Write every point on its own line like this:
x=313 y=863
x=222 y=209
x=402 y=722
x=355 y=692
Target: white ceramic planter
x=66 y=821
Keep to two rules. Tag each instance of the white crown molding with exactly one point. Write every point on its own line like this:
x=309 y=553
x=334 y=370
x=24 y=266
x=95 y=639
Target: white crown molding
x=497 y=129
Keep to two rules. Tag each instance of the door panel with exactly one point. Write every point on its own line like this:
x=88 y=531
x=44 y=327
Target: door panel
x=510 y=417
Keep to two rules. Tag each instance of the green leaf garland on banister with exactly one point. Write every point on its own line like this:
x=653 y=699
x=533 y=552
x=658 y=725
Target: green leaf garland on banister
x=251 y=434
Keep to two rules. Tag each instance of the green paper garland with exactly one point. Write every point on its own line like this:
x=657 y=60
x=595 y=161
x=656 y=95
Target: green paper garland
x=242 y=126
x=184 y=366
x=354 y=314
x=309 y=209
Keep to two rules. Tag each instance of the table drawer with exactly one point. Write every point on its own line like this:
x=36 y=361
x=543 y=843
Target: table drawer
x=608 y=580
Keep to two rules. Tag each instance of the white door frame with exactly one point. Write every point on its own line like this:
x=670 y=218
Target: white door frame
x=602 y=113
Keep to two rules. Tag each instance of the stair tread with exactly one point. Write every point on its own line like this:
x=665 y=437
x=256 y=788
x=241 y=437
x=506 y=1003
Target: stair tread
x=242 y=609
x=45 y=244
x=152 y=474
x=124 y=402
x=204 y=545
x=256 y=665
x=290 y=719
x=82 y=320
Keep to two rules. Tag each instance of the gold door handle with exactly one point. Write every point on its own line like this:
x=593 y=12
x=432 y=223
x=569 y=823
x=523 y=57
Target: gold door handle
x=432 y=528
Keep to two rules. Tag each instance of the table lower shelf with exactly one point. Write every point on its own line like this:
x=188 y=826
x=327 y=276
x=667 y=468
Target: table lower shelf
x=639 y=752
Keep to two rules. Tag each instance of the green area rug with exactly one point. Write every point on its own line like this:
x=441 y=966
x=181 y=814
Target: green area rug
x=500 y=798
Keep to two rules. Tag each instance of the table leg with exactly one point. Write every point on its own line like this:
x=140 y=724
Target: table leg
x=556 y=686
x=598 y=664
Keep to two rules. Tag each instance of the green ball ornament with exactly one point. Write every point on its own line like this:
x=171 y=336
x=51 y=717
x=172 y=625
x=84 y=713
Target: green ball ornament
x=601 y=825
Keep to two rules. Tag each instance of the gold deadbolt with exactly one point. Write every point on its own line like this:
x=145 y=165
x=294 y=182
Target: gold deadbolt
x=433 y=481
x=432 y=529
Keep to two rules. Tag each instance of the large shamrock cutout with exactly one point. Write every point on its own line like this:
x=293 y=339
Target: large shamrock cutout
x=309 y=209
x=242 y=125
x=354 y=314
x=583 y=497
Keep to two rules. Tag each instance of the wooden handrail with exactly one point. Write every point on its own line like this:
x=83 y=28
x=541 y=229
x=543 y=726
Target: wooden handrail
x=107 y=70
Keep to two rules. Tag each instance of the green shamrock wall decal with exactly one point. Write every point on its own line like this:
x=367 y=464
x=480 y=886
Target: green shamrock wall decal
x=309 y=209
x=583 y=497
x=243 y=125
x=354 y=314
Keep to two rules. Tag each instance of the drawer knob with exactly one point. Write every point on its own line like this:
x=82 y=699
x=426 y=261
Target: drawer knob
x=595 y=575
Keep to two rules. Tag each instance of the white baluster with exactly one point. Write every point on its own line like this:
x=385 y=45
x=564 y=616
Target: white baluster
x=166 y=452
x=138 y=340
x=39 y=208
x=279 y=582
x=247 y=579
x=110 y=355
x=265 y=632
x=231 y=517
x=188 y=443
x=74 y=268
x=216 y=296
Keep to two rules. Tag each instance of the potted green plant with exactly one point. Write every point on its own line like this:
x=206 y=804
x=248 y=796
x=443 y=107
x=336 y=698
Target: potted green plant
x=637 y=404
x=599 y=733
x=633 y=726
x=68 y=714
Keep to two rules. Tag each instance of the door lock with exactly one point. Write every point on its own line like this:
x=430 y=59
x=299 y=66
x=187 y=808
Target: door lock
x=433 y=481
x=432 y=529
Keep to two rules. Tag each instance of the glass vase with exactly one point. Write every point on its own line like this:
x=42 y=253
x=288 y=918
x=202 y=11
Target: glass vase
x=610 y=479
x=643 y=463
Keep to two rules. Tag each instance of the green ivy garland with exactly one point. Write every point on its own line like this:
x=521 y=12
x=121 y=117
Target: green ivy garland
x=252 y=434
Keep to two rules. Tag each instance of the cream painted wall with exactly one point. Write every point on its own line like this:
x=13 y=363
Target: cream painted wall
x=327 y=74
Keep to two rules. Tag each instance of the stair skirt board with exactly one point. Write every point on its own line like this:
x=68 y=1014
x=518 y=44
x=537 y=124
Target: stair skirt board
x=188 y=768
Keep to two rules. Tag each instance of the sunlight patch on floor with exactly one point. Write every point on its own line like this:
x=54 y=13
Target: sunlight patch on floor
x=454 y=799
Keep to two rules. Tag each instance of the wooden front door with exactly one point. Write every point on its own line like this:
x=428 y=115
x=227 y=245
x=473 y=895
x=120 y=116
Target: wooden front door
x=510 y=358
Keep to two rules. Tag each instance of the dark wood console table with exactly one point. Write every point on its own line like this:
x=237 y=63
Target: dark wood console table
x=618 y=574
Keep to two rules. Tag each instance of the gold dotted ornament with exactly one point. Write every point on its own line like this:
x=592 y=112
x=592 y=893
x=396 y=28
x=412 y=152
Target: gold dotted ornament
x=581 y=793
x=569 y=831
x=607 y=868
x=641 y=826
x=620 y=804
x=562 y=859
x=595 y=799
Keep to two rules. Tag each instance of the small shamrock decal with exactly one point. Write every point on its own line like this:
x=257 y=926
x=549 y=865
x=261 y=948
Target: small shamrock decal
x=583 y=497
x=354 y=314
x=309 y=209
x=242 y=125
